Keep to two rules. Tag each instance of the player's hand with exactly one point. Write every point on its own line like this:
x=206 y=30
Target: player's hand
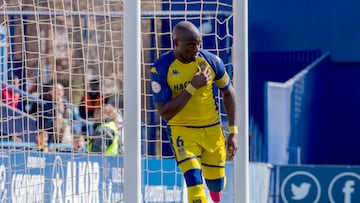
x=202 y=77
x=231 y=146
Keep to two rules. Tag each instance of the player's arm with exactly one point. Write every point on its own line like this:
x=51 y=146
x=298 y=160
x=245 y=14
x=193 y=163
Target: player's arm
x=172 y=107
x=229 y=99
x=230 y=107
x=230 y=104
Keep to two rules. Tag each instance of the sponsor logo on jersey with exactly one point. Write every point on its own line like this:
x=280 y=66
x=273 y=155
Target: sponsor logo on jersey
x=175 y=72
x=181 y=86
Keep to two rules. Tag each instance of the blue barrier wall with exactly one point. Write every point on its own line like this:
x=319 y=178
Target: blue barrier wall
x=302 y=25
x=273 y=66
x=321 y=125
x=64 y=177
x=296 y=124
x=341 y=144
x=39 y=177
x=14 y=121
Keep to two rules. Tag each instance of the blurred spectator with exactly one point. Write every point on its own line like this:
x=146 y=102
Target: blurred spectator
x=63 y=105
x=15 y=138
x=9 y=95
x=64 y=117
x=42 y=141
x=31 y=85
x=47 y=111
x=63 y=130
x=29 y=103
x=6 y=137
x=54 y=114
x=107 y=135
x=78 y=124
x=71 y=119
x=116 y=100
x=92 y=100
x=79 y=143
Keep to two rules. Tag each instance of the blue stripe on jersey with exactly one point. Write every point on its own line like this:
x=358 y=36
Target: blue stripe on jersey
x=213 y=166
x=192 y=157
x=158 y=74
x=217 y=64
x=204 y=126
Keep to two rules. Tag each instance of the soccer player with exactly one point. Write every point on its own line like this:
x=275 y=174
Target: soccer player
x=182 y=85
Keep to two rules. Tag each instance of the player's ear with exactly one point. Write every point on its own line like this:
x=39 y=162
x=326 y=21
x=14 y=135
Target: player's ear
x=176 y=42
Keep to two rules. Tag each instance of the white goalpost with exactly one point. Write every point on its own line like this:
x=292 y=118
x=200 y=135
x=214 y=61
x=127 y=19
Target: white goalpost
x=241 y=82
x=57 y=50
x=132 y=100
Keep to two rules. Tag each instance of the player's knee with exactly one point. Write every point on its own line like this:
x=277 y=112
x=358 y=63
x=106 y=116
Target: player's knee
x=193 y=177
x=216 y=185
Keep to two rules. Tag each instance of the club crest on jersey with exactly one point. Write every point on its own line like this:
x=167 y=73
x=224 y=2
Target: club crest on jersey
x=155 y=86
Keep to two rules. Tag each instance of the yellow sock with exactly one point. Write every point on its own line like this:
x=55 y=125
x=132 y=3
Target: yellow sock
x=196 y=194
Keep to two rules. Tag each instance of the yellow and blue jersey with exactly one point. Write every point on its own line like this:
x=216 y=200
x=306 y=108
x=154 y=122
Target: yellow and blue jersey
x=169 y=77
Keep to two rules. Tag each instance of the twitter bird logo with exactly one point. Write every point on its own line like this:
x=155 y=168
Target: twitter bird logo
x=300 y=192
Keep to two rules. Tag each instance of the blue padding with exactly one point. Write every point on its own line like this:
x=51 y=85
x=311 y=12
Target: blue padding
x=193 y=177
x=215 y=185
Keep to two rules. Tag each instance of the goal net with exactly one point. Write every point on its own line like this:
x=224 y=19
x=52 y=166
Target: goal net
x=62 y=93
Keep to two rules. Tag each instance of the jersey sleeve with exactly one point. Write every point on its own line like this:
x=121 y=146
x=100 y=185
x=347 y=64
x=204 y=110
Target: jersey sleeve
x=224 y=82
x=159 y=86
